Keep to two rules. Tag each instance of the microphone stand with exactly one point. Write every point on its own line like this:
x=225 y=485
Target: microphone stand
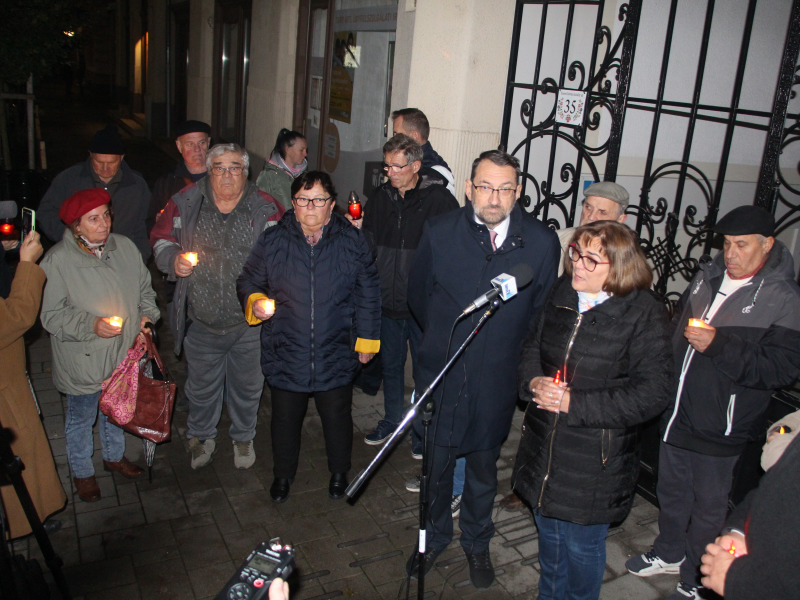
x=426 y=402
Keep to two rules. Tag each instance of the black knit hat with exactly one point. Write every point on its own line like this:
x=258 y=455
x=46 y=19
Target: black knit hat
x=107 y=141
x=746 y=220
x=192 y=127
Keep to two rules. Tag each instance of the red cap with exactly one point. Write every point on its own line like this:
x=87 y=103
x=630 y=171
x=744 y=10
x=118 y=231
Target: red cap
x=82 y=202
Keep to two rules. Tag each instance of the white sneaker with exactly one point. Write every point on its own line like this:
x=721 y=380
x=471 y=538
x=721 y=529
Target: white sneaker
x=243 y=454
x=202 y=452
x=685 y=591
x=647 y=564
x=412 y=485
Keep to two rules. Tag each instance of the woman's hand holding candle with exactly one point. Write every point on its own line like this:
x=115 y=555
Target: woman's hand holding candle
x=264 y=308
x=108 y=327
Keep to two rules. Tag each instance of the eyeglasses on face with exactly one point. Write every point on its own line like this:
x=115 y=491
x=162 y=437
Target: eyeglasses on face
x=237 y=170
x=589 y=263
x=388 y=167
x=485 y=191
x=318 y=202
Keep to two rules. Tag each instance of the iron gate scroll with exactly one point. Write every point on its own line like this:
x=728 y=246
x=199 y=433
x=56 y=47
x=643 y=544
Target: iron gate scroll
x=679 y=117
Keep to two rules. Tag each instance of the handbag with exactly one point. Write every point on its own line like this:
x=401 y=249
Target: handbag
x=118 y=398
x=155 y=397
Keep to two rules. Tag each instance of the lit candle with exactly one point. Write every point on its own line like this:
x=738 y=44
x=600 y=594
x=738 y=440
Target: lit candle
x=115 y=321
x=267 y=305
x=698 y=323
x=191 y=257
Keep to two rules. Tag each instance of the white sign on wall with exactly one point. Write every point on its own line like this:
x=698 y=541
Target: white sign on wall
x=570 y=107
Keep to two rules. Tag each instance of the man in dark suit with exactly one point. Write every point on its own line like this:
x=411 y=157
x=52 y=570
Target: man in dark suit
x=459 y=254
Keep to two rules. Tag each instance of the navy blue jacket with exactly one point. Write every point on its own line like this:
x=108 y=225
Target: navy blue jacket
x=453 y=265
x=327 y=299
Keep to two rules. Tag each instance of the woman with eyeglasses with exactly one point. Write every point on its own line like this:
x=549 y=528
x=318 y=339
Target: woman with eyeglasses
x=596 y=367
x=313 y=284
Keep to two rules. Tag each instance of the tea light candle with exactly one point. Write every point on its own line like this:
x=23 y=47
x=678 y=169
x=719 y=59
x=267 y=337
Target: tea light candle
x=267 y=305
x=191 y=257
x=115 y=321
x=698 y=323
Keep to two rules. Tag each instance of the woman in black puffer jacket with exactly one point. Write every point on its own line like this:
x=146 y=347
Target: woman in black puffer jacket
x=603 y=335
x=326 y=318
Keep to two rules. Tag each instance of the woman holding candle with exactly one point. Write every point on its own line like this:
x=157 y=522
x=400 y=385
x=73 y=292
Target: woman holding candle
x=97 y=298
x=578 y=458
x=323 y=320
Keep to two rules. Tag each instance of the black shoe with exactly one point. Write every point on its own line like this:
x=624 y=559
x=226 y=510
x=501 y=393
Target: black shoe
x=412 y=566
x=338 y=485
x=481 y=571
x=279 y=490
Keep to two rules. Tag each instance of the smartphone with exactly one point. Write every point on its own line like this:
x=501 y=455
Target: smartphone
x=28 y=221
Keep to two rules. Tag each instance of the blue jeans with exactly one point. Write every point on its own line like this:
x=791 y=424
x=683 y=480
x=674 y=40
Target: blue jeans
x=79 y=421
x=572 y=559
x=396 y=336
x=459 y=475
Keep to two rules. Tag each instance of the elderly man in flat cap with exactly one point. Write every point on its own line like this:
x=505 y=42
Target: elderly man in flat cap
x=736 y=340
x=602 y=201
x=105 y=168
x=193 y=139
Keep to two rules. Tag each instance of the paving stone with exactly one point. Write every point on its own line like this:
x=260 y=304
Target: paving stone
x=201 y=545
x=102 y=575
x=162 y=504
x=109 y=519
x=134 y=540
x=167 y=579
x=629 y=588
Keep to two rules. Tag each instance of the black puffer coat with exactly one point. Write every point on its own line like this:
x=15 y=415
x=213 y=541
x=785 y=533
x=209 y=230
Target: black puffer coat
x=393 y=226
x=326 y=296
x=582 y=466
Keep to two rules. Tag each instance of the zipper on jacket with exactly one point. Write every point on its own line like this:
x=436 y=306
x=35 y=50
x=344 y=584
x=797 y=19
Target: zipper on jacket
x=603 y=454
x=687 y=359
x=729 y=414
x=313 y=310
x=570 y=343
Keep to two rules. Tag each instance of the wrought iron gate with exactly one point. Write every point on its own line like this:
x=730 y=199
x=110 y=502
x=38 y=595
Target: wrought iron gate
x=695 y=126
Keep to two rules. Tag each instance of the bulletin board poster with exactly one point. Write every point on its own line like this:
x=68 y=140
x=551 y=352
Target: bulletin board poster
x=345 y=63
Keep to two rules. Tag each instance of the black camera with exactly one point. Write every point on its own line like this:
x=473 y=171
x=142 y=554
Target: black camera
x=263 y=565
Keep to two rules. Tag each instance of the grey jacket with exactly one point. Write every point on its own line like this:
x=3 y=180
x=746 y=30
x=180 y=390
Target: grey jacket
x=81 y=287
x=130 y=203
x=174 y=234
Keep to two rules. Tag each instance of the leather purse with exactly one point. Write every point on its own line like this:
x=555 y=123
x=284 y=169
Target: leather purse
x=155 y=398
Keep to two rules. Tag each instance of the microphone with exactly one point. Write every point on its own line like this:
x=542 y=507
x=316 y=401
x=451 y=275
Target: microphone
x=504 y=285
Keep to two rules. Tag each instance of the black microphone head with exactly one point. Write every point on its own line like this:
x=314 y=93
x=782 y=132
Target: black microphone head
x=8 y=209
x=523 y=273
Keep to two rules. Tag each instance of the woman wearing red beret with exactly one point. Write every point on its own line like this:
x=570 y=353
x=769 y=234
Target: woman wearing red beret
x=92 y=276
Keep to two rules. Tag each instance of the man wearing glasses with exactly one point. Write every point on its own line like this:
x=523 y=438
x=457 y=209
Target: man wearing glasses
x=458 y=256
x=393 y=219
x=202 y=241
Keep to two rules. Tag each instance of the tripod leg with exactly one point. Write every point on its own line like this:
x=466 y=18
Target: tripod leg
x=12 y=465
